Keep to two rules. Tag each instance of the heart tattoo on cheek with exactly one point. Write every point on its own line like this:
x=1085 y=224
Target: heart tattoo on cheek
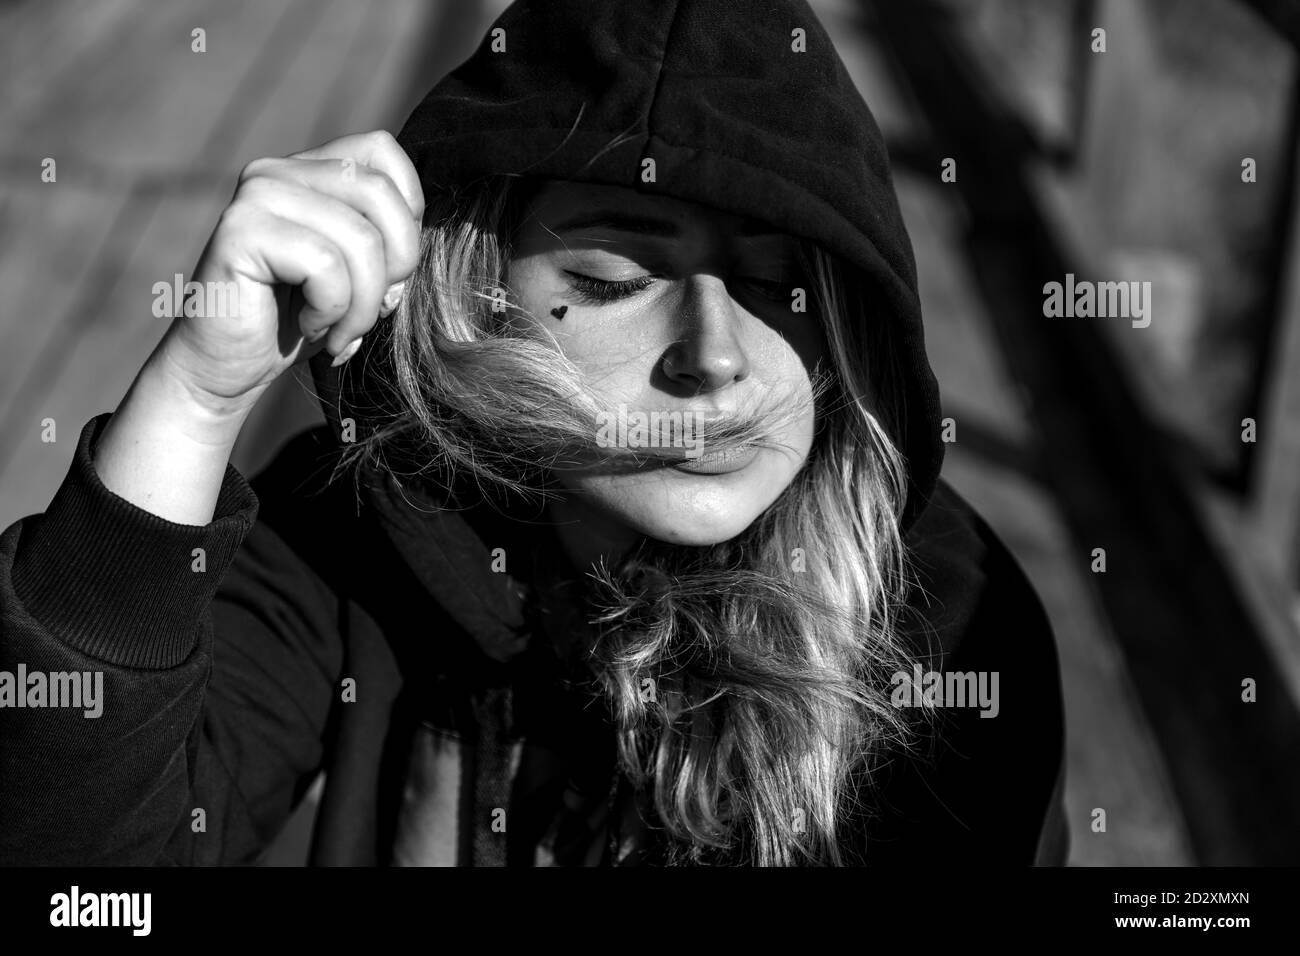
x=559 y=311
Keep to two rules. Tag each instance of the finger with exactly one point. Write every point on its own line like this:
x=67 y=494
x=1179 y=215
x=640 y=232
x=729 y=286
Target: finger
x=291 y=253
x=360 y=241
x=371 y=193
x=378 y=150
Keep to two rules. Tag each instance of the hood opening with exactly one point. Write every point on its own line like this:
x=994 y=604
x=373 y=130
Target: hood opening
x=743 y=105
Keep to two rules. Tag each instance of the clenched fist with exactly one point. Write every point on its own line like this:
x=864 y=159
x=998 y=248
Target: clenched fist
x=315 y=247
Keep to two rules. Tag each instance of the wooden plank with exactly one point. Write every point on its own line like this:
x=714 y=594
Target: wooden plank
x=54 y=237
x=31 y=362
x=56 y=39
x=86 y=371
x=50 y=233
x=1275 y=498
x=231 y=95
x=288 y=116
x=90 y=106
x=376 y=64
x=104 y=335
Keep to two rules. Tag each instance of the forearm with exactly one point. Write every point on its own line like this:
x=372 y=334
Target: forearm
x=166 y=452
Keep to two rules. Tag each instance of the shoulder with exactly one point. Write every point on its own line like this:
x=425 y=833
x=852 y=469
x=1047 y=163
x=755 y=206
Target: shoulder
x=300 y=468
x=989 y=782
x=971 y=597
x=307 y=509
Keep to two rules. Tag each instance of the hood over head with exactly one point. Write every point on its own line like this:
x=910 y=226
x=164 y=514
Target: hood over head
x=743 y=105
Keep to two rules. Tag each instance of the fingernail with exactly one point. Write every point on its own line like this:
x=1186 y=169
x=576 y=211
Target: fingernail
x=347 y=353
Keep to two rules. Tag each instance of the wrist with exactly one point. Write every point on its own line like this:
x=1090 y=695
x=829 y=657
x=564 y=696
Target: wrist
x=165 y=452
x=203 y=417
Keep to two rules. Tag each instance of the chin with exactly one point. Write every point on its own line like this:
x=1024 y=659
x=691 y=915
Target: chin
x=697 y=530
x=691 y=509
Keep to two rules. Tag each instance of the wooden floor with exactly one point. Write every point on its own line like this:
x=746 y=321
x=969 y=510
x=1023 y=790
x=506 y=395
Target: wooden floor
x=149 y=137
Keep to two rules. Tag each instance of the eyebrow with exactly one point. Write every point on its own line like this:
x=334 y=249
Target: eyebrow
x=623 y=221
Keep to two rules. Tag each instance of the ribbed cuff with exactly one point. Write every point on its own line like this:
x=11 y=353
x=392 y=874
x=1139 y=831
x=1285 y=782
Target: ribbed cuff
x=115 y=581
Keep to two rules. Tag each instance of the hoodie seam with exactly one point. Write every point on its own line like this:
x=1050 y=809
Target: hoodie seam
x=659 y=75
x=813 y=197
x=469 y=584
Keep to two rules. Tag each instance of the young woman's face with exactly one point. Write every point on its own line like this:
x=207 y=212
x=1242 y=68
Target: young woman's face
x=670 y=306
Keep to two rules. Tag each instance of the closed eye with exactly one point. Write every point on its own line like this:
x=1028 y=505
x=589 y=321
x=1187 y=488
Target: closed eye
x=600 y=291
x=591 y=290
x=769 y=288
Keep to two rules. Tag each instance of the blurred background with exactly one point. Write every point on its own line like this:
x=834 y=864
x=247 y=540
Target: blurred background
x=1162 y=149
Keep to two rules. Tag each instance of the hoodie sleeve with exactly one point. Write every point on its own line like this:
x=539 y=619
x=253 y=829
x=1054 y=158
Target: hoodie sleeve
x=206 y=655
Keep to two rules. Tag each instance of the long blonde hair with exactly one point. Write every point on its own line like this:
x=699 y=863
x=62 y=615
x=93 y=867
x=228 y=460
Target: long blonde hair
x=771 y=654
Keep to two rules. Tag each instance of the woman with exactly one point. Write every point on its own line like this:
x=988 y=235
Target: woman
x=624 y=542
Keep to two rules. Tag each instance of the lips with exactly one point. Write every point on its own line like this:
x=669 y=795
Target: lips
x=719 y=463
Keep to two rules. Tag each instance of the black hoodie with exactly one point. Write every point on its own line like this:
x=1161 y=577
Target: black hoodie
x=367 y=636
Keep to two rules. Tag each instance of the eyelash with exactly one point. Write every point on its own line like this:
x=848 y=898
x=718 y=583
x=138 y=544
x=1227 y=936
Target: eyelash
x=603 y=291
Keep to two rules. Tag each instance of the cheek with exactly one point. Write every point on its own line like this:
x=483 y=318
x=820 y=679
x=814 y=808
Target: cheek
x=594 y=339
x=804 y=342
x=530 y=292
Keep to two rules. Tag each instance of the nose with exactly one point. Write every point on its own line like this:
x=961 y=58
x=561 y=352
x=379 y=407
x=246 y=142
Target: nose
x=709 y=355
